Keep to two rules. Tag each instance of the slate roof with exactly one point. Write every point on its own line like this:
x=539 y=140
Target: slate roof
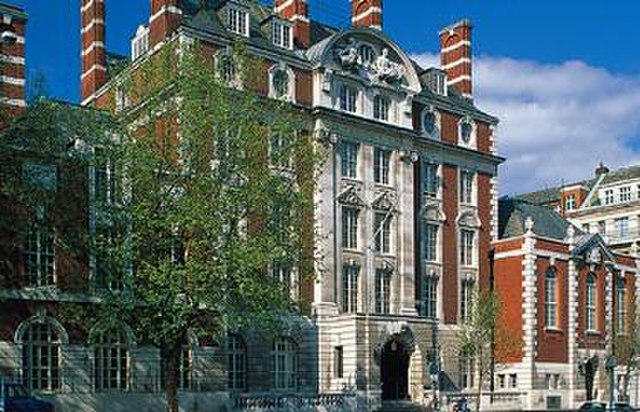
x=203 y=16
x=626 y=173
x=513 y=213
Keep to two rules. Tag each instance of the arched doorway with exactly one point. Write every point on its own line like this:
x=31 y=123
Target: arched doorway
x=394 y=370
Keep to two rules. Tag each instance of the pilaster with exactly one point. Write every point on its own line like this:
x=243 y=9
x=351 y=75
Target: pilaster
x=529 y=316
x=572 y=333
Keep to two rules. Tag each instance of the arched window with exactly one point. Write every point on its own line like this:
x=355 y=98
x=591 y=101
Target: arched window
x=621 y=305
x=551 y=299
x=591 y=303
x=366 y=54
x=237 y=355
x=41 y=356
x=111 y=360
x=430 y=124
x=285 y=362
x=381 y=108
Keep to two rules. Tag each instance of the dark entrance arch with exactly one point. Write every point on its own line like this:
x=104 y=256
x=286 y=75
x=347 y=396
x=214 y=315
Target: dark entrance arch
x=394 y=370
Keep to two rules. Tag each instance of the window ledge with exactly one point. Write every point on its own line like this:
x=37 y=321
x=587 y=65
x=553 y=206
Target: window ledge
x=592 y=332
x=554 y=330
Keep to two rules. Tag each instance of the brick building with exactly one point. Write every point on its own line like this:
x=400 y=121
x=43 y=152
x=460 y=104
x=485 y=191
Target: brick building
x=574 y=294
x=12 y=75
x=406 y=210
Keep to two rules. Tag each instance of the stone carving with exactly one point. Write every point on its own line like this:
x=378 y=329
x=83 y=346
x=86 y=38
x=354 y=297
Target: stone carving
x=595 y=256
x=349 y=55
x=386 y=70
x=350 y=196
x=386 y=201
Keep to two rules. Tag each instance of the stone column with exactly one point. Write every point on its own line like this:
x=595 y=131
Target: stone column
x=573 y=303
x=529 y=308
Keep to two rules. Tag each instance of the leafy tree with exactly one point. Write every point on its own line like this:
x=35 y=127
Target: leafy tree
x=477 y=334
x=215 y=185
x=626 y=348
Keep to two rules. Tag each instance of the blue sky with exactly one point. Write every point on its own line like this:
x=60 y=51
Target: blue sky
x=563 y=75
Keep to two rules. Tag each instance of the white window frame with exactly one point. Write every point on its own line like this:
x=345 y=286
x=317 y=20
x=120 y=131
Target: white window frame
x=622 y=227
x=591 y=303
x=42 y=342
x=280 y=152
x=111 y=347
x=467 y=287
x=431 y=181
x=348 y=97
x=382 y=166
x=40 y=254
x=430 y=296
x=282 y=34
x=381 y=108
x=625 y=194
x=551 y=279
x=285 y=364
x=383 y=292
x=467 y=187
x=466 y=366
x=431 y=242
x=570 y=203
x=382 y=232
x=468 y=240
x=238 y=21
x=350 y=288
x=367 y=54
x=350 y=227
x=291 y=83
x=621 y=309
x=349 y=154
x=609 y=197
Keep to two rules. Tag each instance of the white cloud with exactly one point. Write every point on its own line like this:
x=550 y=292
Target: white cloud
x=557 y=121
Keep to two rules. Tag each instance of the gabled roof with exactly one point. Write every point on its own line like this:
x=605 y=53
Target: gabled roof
x=513 y=213
x=625 y=173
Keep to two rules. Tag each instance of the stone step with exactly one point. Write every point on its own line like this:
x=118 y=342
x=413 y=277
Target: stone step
x=401 y=406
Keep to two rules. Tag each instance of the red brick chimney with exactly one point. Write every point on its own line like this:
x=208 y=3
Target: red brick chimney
x=94 y=57
x=166 y=16
x=455 y=53
x=12 y=74
x=366 y=13
x=297 y=12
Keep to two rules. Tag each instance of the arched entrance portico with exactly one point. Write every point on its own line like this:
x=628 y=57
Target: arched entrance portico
x=394 y=370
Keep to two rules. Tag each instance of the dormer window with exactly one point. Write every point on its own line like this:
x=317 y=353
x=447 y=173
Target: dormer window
x=282 y=35
x=238 y=21
x=437 y=81
x=140 y=43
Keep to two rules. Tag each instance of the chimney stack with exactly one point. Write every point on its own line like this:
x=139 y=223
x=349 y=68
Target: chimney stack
x=601 y=170
x=166 y=16
x=12 y=73
x=94 y=56
x=297 y=12
x=366 y=13
x=455 y=53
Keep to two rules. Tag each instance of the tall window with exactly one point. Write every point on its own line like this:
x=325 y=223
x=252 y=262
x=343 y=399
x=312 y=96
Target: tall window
x=349 y=160
x=551 y=299
x=431 y=180
x=238 y=21
x=381 y=108
x=622 y=227
x=282 y=273
x=237 y=359
x=602 y=227
x=40 y=255
x=282 y=35
x=105 y=182
x=466 y=297
x=111 y=361
x=467 y=240
x=621 y=305
x=381 y=161
x=285 y=360
x=280 y=83
x=227 y=68
x=367 y=54
x=348 y=96
x=184 y=369
x=350 y=288
x=466 y=131
x=349 y=228
x=466 y=187
x=338 y=362
x=41 y=357
x=431 y=242
x=382 y=235
x=466 y=366
x=430 y=296
x=429 y=123
x=383 y=292
x=591 y=303
x=279 y=152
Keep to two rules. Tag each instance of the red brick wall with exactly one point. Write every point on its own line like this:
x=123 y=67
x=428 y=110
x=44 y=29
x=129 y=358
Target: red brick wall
x=552 y=344
x=591 y=340
x=508 y=285
x=484 y=213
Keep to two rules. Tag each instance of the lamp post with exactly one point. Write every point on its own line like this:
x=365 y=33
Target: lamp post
x=610 y=365
x=434 y=368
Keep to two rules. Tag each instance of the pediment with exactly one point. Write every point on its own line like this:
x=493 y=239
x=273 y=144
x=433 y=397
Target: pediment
x=385 y=201
x=351 y=196
x=592 y=249
x=433 y=212
x=469 y=219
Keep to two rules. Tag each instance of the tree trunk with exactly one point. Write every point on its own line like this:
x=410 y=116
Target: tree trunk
x=480 y=378
x=171 y=357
